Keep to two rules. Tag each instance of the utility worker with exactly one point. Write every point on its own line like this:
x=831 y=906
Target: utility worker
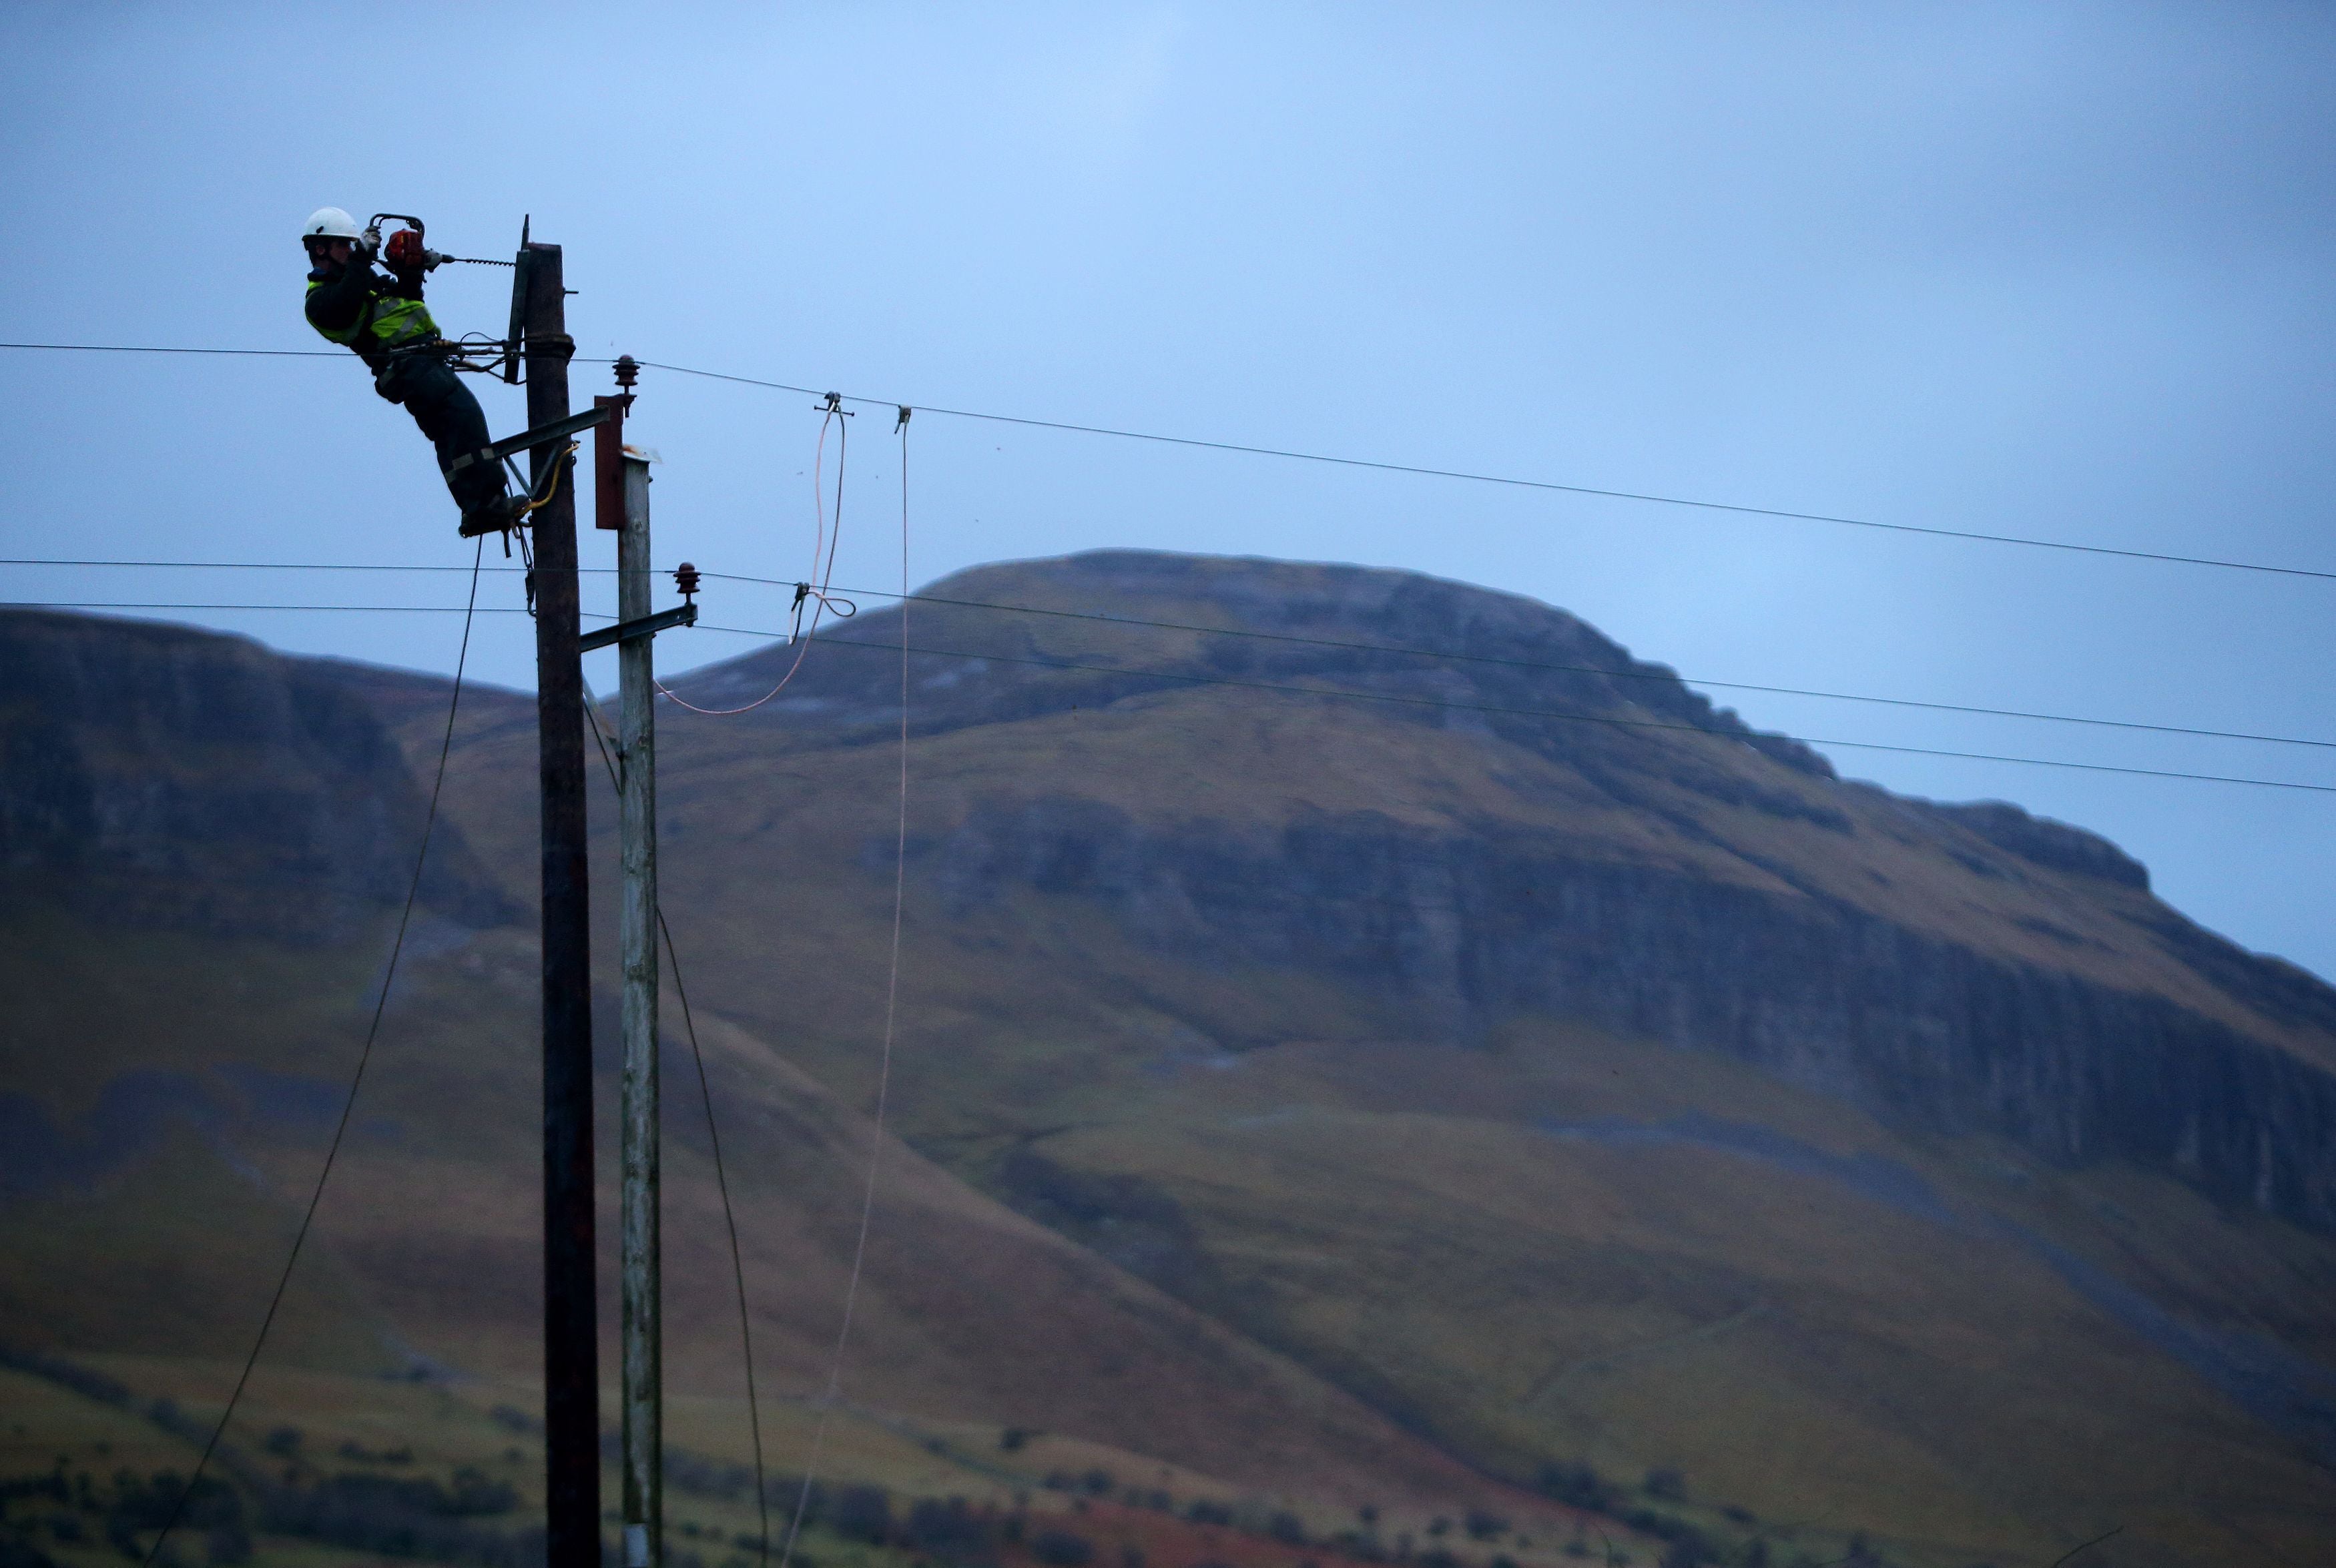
x=385 y=322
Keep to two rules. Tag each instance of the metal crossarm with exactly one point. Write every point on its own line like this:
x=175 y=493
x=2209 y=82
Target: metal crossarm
x=542 y=435
x=626 y=631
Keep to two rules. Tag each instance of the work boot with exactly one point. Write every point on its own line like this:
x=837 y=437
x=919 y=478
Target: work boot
x=495 y=516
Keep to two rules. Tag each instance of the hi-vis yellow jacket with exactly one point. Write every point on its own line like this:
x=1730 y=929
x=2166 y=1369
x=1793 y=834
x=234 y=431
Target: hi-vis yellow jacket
x=361 y=310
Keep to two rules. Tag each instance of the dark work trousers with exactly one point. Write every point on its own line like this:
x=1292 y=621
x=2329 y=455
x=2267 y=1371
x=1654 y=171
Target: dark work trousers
x=451 y=417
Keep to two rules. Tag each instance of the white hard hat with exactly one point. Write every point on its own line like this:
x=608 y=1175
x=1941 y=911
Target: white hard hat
x=330 y=223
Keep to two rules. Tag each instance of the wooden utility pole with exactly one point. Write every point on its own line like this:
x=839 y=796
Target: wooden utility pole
x=571 y=1370
x=623 y=503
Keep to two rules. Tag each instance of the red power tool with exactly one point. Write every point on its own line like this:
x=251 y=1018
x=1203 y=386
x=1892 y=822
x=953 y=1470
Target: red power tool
x=405 y=252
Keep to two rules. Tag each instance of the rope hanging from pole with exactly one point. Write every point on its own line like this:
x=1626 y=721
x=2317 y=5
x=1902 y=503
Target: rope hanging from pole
x=356 y=1081
x=832 y=413
x=884 y=1060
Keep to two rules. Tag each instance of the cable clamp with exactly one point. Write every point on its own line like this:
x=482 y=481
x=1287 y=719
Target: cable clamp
x=835 y=605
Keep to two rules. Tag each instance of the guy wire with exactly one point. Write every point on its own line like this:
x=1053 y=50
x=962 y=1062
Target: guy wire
x=348 y=1105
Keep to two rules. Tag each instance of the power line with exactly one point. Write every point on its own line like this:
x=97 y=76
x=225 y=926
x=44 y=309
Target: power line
x=263 y=565
x=1673 y=678
x=1397 y=649
x=1548 y=713
x=1374 y=465
x=335 y=609
x=1356 y=696
x=1514 y=482
x=149 y=348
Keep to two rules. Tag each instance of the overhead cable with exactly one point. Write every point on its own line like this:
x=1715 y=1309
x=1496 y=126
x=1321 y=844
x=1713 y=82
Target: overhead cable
x=1325 y=691
x=1375 y=465
x=1606 y=720
x=1671 y=677
x=338 y=609
x=150 y=348
x=1514 y=482
x=1441 y=654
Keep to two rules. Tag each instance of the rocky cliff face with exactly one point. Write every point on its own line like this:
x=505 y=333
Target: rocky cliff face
x=154 y=776
x=1618 y=851
x=1640 y=860
x=1458 y=933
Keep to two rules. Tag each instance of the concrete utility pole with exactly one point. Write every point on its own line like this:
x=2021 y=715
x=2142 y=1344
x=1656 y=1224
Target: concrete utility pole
x=571 y=1371
x=624 y=504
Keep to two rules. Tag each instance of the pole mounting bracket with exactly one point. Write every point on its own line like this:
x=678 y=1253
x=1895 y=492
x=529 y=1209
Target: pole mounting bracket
x=540 y=436
x=646 y=627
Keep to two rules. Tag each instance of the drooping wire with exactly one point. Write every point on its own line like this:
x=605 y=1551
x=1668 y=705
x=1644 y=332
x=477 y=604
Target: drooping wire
x=1514 y=483
x=1659 y=676
x=2086 y=1546
x=1367 y=464
x=349 y=1103
x=150 y=348
x=730 y=1219
x=1611 y=722
x=185 y=605
x=713 y=1138
x=822 y=576
x=884 y=1060
x=1950 y=753
x=1441 y=654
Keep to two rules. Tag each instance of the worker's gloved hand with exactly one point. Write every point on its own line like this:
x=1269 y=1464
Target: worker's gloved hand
x=366 y=244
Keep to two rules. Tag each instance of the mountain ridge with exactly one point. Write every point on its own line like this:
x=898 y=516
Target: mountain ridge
x=2085 y=949
x=127 y=791
x=1539 y=1092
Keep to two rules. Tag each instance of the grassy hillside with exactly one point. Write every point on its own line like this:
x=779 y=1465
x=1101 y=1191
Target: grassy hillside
x=1373 y=1113
x=969 y=1311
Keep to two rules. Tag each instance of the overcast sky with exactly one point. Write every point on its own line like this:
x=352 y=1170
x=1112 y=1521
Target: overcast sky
x=2047 y=270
